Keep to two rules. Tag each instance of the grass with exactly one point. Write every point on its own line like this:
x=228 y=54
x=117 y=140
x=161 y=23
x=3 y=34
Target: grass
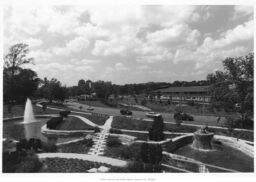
x=95 y=103
x=61 y=165
x=73 y=123
x=120 y=122
x=134 y=124
x=80 y=147
x=99 y=120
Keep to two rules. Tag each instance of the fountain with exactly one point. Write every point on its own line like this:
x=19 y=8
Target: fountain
x=203 y=139
x=28 y=113
x=30 y=131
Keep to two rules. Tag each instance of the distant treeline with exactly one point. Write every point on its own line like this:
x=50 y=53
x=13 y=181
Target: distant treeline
x=104 y=89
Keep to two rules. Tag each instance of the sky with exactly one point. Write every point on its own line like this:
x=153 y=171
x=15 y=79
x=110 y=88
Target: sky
x=129 y=43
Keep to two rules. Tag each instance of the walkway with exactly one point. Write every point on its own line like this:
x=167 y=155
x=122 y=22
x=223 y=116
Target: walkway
x=100 y=139
x=86 y=157
x=85 y=120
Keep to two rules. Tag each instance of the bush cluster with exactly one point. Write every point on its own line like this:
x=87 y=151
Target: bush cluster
x=54 y=122
x=114 y=142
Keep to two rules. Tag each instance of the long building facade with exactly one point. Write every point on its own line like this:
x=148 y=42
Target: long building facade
x=199 y=94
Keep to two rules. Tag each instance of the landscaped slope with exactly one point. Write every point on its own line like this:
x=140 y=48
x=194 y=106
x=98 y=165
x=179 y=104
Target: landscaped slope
x=73 y=123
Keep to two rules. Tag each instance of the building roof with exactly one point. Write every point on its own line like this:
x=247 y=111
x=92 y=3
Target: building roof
x=184 y=89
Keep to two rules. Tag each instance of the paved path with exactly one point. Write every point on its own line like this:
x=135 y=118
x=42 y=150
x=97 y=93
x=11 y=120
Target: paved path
x=85 y=120
x=86 y=157
x=101 y=139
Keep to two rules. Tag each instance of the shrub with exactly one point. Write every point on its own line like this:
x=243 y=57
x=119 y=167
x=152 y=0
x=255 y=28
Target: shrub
x=49 y=148
x=88 y=142
x=29 y=164
x=64 y=113
x=156 y=131
x=114 y=142
x=96 y=129
x=21 y=161
x=54 y=122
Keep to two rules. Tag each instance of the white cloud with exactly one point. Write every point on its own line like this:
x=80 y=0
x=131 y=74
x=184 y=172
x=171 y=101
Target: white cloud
x=108 y=70
x=121 y=67
x=142 y=67
x=90 y=31
x=242 y=10
x=76 y=45
x=243 y=32
x=41 y=56
x=32 y=42
x=175 y=35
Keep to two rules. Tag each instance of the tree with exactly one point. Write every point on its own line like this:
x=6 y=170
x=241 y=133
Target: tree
x=156 y=130
x=13 y=60
x=52 y=90
x=81 y=83
x=232 y=89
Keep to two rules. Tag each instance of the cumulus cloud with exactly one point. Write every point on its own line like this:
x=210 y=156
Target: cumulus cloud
x=230 y=43
x=41 y=56
x=74 y=46
x=121 y=67
x=242 y=10
x=175 y=35
x=77 y=38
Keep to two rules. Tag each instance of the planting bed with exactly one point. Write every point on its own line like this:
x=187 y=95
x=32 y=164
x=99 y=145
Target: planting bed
x=61 y=165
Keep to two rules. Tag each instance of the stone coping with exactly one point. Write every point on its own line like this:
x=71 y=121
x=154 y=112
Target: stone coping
x=242 y=145
x=47 y=131
x=191 y=160
x=36 y=116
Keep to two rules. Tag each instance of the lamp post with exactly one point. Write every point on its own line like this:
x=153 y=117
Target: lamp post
x=90 y=86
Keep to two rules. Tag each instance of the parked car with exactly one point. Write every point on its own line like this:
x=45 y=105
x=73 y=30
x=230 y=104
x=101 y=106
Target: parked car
x=90 y=108
x=152 y=114
x=125 y=112
x=183 y=116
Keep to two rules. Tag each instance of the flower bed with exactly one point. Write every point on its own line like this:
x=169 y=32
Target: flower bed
x=62 y=165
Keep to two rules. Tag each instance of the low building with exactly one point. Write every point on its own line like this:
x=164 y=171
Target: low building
x=198 y=94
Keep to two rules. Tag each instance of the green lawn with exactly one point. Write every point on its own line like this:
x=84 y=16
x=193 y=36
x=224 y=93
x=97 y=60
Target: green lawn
x=134 y=124
x=73 y=123
x=95 y=103
x=99 y=120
